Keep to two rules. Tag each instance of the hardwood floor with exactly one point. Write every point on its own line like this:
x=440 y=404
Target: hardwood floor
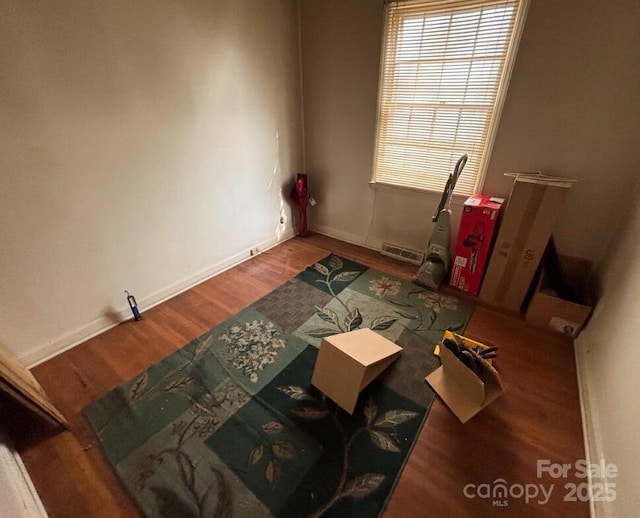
x=538 y=417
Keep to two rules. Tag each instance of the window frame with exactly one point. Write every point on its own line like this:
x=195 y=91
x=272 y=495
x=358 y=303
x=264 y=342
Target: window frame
x=501 y=94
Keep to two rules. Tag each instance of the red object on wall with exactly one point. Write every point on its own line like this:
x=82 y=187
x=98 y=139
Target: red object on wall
x=478 y=227
x=300 y=196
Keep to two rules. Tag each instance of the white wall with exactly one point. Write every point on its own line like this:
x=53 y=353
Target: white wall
x=143 y=146
x=341 y=56
x=608 y=357
x=571 y=109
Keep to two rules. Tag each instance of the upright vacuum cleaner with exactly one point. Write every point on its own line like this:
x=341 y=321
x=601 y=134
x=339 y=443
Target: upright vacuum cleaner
x=438 y=260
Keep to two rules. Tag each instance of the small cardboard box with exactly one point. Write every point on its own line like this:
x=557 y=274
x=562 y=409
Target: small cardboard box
x=348 y=362
x=534 y=205
x=460 y=388
x=549 y=311
x=475 y=238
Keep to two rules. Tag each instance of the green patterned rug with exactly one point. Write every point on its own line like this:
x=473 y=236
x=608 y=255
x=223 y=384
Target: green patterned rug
x=231 y=426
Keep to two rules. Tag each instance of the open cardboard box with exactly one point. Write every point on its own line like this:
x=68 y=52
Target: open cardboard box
x=348 y=362
x=549 y=310
x=459 y=387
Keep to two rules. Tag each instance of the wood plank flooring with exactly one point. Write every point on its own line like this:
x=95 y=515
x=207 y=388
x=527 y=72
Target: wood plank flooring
x=537 y=418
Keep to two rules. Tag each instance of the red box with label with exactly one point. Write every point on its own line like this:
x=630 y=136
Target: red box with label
x=478 y=225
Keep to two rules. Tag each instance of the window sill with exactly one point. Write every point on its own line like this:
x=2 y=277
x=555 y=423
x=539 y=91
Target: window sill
x=414 y=192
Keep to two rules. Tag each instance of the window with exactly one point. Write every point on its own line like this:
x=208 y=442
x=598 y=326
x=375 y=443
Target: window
x=445 y=71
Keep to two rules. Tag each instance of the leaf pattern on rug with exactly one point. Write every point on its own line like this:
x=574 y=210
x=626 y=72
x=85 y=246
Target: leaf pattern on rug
x=215 y=499
x=273 y=449
x=137 y=389
x=202 y=348
x=179 y=384
x=363 y=485
x=294 y=392
x=329 y=278
x=353 y=319
x=422 y=308
x=170 y=504
x=380 y=429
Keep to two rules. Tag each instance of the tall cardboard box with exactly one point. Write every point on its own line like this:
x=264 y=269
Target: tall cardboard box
x=348 y=362
x=533 y=208
x=478 y=224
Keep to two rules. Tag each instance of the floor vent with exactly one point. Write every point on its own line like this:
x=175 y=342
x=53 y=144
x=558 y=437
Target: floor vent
x=404 y=254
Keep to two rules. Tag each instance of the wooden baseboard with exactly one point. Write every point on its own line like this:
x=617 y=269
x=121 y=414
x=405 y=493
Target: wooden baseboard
x=354 y=239
x=590 y=429
x=100 y=325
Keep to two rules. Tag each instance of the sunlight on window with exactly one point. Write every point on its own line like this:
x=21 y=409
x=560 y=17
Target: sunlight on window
x=442 y=70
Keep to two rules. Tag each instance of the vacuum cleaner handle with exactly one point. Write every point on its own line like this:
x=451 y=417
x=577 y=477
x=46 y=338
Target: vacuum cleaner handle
x=450 y=186
x=443 y=199
x=462 y=161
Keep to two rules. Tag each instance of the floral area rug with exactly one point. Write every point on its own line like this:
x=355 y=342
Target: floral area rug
x=230 y=425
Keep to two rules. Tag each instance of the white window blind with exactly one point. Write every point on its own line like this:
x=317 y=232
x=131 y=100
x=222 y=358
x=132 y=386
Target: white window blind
x=445 y=66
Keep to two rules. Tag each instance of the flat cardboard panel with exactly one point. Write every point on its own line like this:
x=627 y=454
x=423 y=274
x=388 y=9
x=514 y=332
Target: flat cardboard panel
x=511 y=224
x=460 y=375
x=453 y=395
x=348 y=362
x=527 y=225
x=460 y=388
x=509 y=280
x=492 y=384
x=533 y=247
x=338 y=375
x=364 y=346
